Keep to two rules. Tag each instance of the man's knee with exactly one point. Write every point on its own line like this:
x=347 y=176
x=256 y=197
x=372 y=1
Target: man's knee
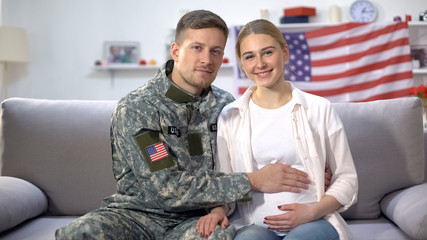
x=225 y=234
x=104 y=224
x=82 y=228
x=187 y=230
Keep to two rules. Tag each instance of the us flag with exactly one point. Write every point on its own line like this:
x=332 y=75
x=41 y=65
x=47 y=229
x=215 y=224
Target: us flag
x=352 y=62
x=156 y=151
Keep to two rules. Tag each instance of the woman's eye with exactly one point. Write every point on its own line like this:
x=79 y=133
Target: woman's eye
x=268 y=52
x=249 y=57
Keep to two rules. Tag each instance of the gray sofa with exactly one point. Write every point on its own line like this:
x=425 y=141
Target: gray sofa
x=56 y=166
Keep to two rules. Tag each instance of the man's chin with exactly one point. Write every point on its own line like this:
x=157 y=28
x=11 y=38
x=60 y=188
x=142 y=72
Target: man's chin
x=204 y=83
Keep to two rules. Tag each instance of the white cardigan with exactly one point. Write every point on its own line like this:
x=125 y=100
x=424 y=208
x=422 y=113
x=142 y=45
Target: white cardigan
x=319 y=136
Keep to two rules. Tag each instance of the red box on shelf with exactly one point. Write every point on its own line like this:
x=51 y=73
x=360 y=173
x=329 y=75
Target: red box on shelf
x=299 y=11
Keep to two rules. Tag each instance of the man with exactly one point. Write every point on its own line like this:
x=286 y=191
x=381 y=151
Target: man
x=163 y=138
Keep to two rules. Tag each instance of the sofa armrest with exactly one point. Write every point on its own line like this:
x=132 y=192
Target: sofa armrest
x=407 y=209
x=19 y=200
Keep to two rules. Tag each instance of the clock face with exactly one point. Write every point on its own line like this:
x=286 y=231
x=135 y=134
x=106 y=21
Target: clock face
x=363 y=11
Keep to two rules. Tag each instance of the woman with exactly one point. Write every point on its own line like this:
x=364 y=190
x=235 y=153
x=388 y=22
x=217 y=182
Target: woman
x=274 y=122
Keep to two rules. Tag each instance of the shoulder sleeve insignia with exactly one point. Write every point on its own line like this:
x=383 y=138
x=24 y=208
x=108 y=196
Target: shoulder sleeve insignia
x=154 y=151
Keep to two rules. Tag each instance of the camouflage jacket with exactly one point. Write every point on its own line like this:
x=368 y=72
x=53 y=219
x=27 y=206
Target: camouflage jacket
x=163 y=144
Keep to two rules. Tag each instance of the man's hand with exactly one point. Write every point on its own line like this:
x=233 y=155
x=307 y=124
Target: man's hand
x=207 y=224
x=274 y=178
x=328 y=176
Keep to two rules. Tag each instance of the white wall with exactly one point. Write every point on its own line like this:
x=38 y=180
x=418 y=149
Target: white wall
x=66 y=38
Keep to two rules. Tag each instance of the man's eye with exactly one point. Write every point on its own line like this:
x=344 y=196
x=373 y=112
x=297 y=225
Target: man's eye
x=197 y=47
x=216 y=52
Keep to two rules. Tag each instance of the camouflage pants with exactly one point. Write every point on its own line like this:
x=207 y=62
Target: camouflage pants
x=116 y=224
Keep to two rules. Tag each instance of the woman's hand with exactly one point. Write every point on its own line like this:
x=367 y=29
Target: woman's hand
x=207 y=224
x=296 y=215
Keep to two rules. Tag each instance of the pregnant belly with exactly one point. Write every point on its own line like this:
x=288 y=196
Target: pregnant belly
x=266 y=204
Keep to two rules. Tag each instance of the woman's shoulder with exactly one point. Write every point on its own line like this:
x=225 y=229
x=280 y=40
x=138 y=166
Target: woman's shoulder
x=312 y=100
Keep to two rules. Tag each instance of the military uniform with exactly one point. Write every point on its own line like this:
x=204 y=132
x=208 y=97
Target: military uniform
x=164 y=143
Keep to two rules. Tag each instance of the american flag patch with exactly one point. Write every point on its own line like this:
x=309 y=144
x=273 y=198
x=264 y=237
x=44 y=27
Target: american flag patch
x=156 y=151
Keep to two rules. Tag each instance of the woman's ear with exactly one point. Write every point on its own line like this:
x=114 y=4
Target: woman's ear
x=286 y=53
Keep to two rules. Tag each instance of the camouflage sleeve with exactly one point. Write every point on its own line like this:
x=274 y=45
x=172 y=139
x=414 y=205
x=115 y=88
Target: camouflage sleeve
x=171 y=188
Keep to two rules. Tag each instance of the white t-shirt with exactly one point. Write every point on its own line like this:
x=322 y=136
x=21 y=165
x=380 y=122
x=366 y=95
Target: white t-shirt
x=272 y=142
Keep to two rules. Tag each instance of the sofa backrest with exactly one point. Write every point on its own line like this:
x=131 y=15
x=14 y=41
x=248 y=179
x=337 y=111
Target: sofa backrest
x=62 y=147
x=386 y=139
x=425 y=154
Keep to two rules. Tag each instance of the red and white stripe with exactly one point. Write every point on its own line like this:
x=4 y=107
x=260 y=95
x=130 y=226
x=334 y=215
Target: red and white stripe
x=161 y=152
x=360 y=62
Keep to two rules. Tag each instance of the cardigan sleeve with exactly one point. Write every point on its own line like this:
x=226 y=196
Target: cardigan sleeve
x=344 y=184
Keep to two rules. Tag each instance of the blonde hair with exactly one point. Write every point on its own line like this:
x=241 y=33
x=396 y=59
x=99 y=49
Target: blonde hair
x=259 y=26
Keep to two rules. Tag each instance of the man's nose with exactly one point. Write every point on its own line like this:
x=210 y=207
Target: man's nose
x=205 y=57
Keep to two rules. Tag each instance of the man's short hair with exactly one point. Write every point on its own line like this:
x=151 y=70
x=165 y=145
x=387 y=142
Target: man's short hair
x=199 y=19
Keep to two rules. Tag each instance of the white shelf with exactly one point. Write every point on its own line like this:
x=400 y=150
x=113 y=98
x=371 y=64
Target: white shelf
x=417 y=24
x=124 y=67
x=419 y=71
x=112 y=69
x=301 y=27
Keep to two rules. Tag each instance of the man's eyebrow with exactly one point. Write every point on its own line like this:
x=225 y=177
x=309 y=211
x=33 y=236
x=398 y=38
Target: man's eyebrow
x=203 y=44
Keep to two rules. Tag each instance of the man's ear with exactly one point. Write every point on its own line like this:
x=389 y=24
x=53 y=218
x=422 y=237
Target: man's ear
x=175 y=51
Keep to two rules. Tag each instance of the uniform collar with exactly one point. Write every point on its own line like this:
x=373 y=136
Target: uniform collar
x=178 y=94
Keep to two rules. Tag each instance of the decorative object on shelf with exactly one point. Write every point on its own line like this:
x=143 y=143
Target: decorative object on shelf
x=300 y=11
x=334 y=14
x=363 y=11
x=418 y=56
x=121 y=52
x=152 y=62
x=408 y=18
x=421 y=93
x=423 y=16
x=142 y=62
x=264 y=14
x=13 y=49
x=397 y=19
x=296 y=19
x=297 y=14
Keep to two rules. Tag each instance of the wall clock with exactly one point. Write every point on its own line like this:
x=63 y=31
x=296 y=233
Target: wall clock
x=363 y=11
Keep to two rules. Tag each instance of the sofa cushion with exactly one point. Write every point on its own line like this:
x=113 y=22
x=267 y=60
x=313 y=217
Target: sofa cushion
x=378 y=229
x=41 y=228
x=408 y=209
x=61 y=146
x=386 y=141
x=425 y=154
x=19 y=200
